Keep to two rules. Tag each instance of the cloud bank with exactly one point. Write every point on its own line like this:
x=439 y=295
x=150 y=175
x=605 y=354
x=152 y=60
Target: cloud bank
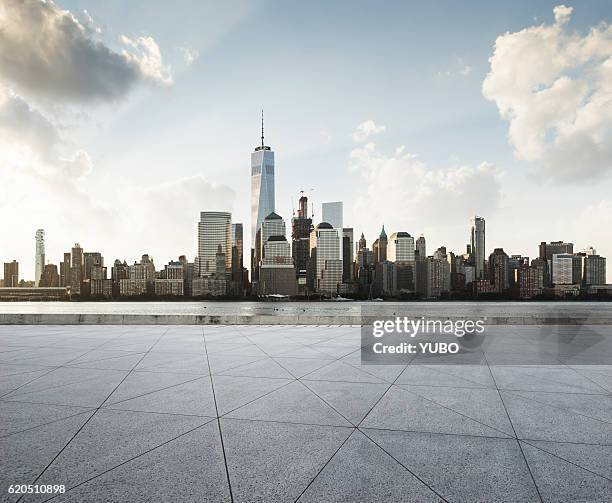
x=47 y=53
x=554 y=87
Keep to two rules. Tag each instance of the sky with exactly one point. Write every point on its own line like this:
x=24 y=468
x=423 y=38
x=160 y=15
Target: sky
x=120 y=122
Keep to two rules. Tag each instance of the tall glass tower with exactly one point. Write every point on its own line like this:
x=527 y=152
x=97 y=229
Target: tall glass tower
x=262 y=184
x=40 y=256
x=478 y=246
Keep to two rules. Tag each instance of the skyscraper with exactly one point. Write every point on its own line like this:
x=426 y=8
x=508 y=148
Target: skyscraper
x=326 y=253
x=300 y=241
x=214 y=229
x=332 y=214
x=11 y=274
x=347 y=254
x=40 y=256
x=262 y=184
x=421 y=246
x=478 y=246
x=400 y=247
x=499 y=266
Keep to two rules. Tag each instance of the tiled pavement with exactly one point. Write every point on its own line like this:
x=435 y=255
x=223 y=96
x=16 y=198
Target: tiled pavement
x=222 y=413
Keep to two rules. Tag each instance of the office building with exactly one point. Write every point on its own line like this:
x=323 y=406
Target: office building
x=141 y=278
x=438 y=274
x=546 y=252
x=65 y=270
x=76 y=269
x=478 y=246
x=325 y=253
x=421 y=247
x=332 y=213
x=594 y=270
x=532 y=278
x=347 y=255
x=11 y=274
x=301 y=226
x=171 y=281
x=50 y=276
x=214 y=230
x=379 y=247
x=262 y=184
x=499 y=266
x=562 y=266
x=39 y=258
x=400 y=247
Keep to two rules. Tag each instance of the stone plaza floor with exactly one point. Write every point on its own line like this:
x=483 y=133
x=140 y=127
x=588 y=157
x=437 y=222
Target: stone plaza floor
x=289 y=413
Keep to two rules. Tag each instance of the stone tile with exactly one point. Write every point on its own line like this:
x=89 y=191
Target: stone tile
x=191 y=398
x=462 y=468
x=221 y=362
x=361 y=471
x=188 y=363
x=274 y=462
x=480 y=404
x=142 y=383
x=560 y=481
x=352 y=400
x=232 y=392
x=293 y=403
x=456 y=376
x=18 y=416
x=112 y=437
x=537 y=420
x=543 y=379
x=260 y=368
x=301 y=367
x=12 y=382
x=26 y=454
x=187 y=469
x=340 y=371
x=401 y=409
x=91 y=391
x=595 y=458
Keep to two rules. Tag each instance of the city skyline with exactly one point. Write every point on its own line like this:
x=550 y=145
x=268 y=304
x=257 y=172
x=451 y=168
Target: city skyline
x=420 y=134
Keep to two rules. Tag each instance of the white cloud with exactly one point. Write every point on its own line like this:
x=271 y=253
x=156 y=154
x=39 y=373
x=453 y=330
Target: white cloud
x=554 y=87
x=367 y=128
x=404 y=193
x=145 y=55
x=189 y=55
x=46 y=52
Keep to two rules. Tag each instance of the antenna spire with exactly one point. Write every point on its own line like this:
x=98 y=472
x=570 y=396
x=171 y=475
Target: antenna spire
x=262 y=129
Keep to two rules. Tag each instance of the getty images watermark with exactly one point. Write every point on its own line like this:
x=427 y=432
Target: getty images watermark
x=411 y=328
x=401 y=340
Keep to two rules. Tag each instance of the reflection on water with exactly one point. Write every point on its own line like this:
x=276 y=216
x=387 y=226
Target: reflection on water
x=413 y=309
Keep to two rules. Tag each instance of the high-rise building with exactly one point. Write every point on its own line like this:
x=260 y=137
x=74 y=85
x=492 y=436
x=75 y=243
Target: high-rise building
x=594 y=270
x=11 y=274
x=49 y=277
x=421 y=247
x=478 y=246
x=499 y=270
x=237 y=251
x=325 y=252
x=65 y=270
x=171 y=281
x=347 y=254
x=39 y=259
x=379 y=247
x=214 y=230
x=141 y=278
x=332 y=214
x=438 y=274
x=562 y=266
x=76 y=269
x=546 y=252
x=262 y=184
x=300 y=242
x=531 y=278
x=400 y=247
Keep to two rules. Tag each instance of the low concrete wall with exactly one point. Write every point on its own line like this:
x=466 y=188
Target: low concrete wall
x=280 y=319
